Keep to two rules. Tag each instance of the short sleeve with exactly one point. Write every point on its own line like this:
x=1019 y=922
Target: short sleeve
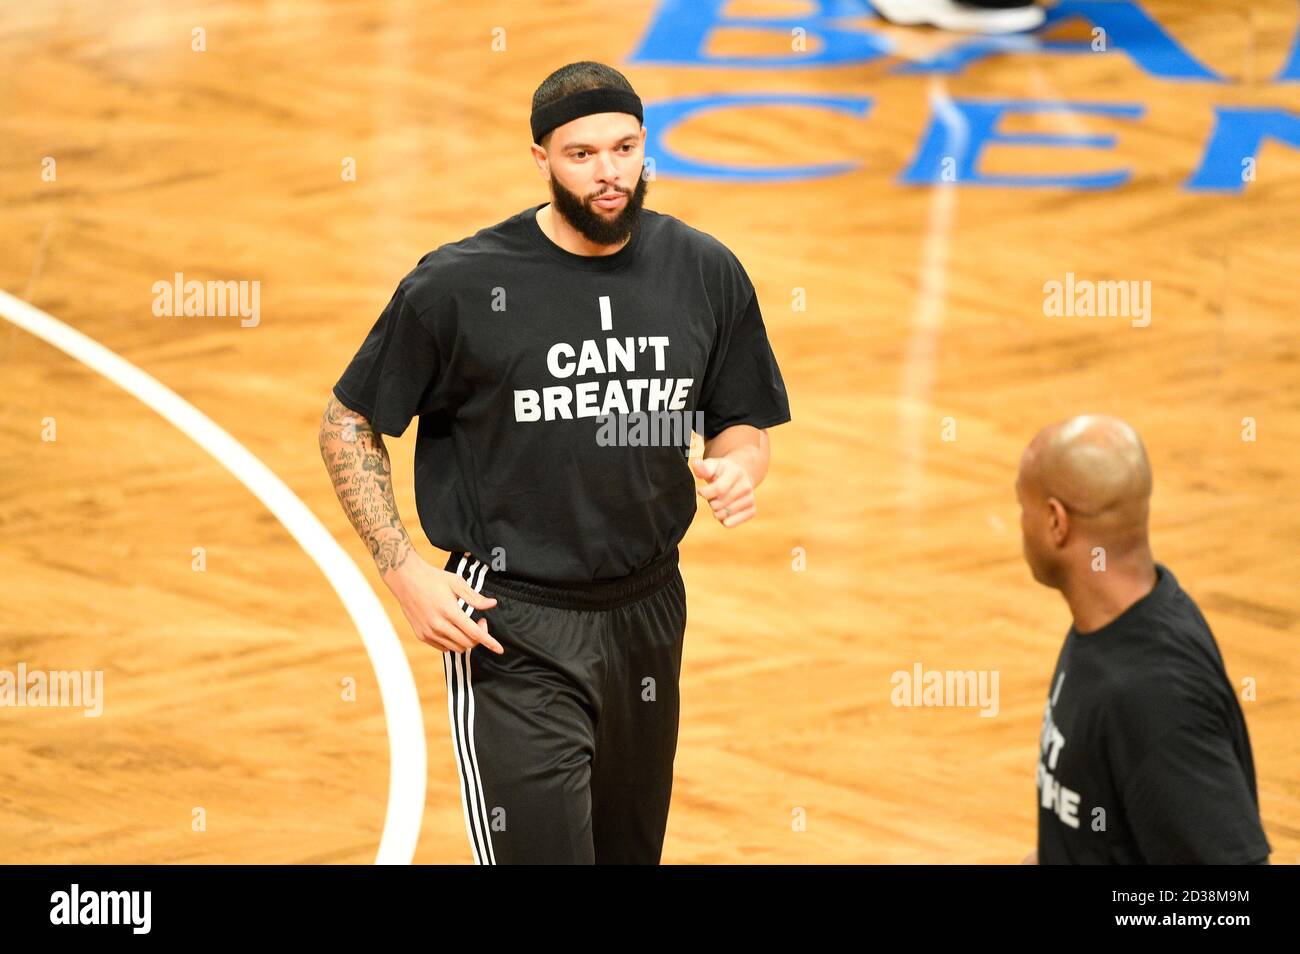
x=395 y=373
x=1188 y=801
x=742 y=381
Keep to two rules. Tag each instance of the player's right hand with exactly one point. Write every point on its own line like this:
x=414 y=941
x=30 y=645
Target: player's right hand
x=428 y=599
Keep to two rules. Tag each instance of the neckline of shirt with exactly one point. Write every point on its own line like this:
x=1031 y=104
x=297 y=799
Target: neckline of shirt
x=1157 y=593
x=590 y=263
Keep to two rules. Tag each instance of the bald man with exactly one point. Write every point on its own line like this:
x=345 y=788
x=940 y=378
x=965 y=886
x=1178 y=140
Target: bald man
x=1145 y=755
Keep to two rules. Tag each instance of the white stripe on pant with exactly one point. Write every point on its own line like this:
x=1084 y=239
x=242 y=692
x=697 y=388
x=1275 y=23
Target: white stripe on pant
x=460 y=712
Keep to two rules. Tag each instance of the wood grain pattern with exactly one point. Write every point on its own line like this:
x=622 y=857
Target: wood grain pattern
x=223 y=687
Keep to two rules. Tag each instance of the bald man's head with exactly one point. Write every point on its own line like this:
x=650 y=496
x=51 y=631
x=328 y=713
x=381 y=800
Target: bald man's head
x=1083 y=483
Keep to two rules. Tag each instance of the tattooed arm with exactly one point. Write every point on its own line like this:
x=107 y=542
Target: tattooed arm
x=358 y=464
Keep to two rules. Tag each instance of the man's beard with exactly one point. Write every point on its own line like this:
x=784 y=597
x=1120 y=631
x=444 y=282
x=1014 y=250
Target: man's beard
x=587 y=220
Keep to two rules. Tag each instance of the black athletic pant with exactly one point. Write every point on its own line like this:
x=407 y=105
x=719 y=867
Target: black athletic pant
x=565 y=743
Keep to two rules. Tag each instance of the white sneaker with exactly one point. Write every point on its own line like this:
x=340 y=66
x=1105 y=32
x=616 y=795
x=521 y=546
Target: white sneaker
x=960 y=17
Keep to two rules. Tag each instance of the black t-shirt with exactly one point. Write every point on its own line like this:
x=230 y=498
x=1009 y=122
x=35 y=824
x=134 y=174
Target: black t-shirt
x=1145 y=758
x=521 y=359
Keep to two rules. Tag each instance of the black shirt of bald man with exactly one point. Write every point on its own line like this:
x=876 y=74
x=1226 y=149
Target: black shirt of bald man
x=1145 y=758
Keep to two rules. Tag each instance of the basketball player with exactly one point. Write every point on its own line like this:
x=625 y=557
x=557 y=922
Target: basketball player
x=1145 y=755
x=542 y=355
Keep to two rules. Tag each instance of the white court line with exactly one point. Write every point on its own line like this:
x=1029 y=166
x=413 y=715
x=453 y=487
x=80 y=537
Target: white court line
x=914 y=408
x=406 y=746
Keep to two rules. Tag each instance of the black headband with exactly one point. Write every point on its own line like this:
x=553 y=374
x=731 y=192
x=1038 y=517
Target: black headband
x=583 y=103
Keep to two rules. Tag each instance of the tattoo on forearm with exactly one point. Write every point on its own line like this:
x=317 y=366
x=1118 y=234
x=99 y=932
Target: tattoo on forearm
x=358 y=464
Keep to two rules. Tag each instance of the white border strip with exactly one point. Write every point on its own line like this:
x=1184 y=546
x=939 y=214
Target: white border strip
x=407 y=754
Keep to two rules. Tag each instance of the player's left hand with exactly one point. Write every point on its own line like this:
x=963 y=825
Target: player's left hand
x=729 y=491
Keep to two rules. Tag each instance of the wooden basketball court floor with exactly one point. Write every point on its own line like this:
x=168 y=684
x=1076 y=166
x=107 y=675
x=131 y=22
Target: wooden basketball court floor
x=227 y=732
